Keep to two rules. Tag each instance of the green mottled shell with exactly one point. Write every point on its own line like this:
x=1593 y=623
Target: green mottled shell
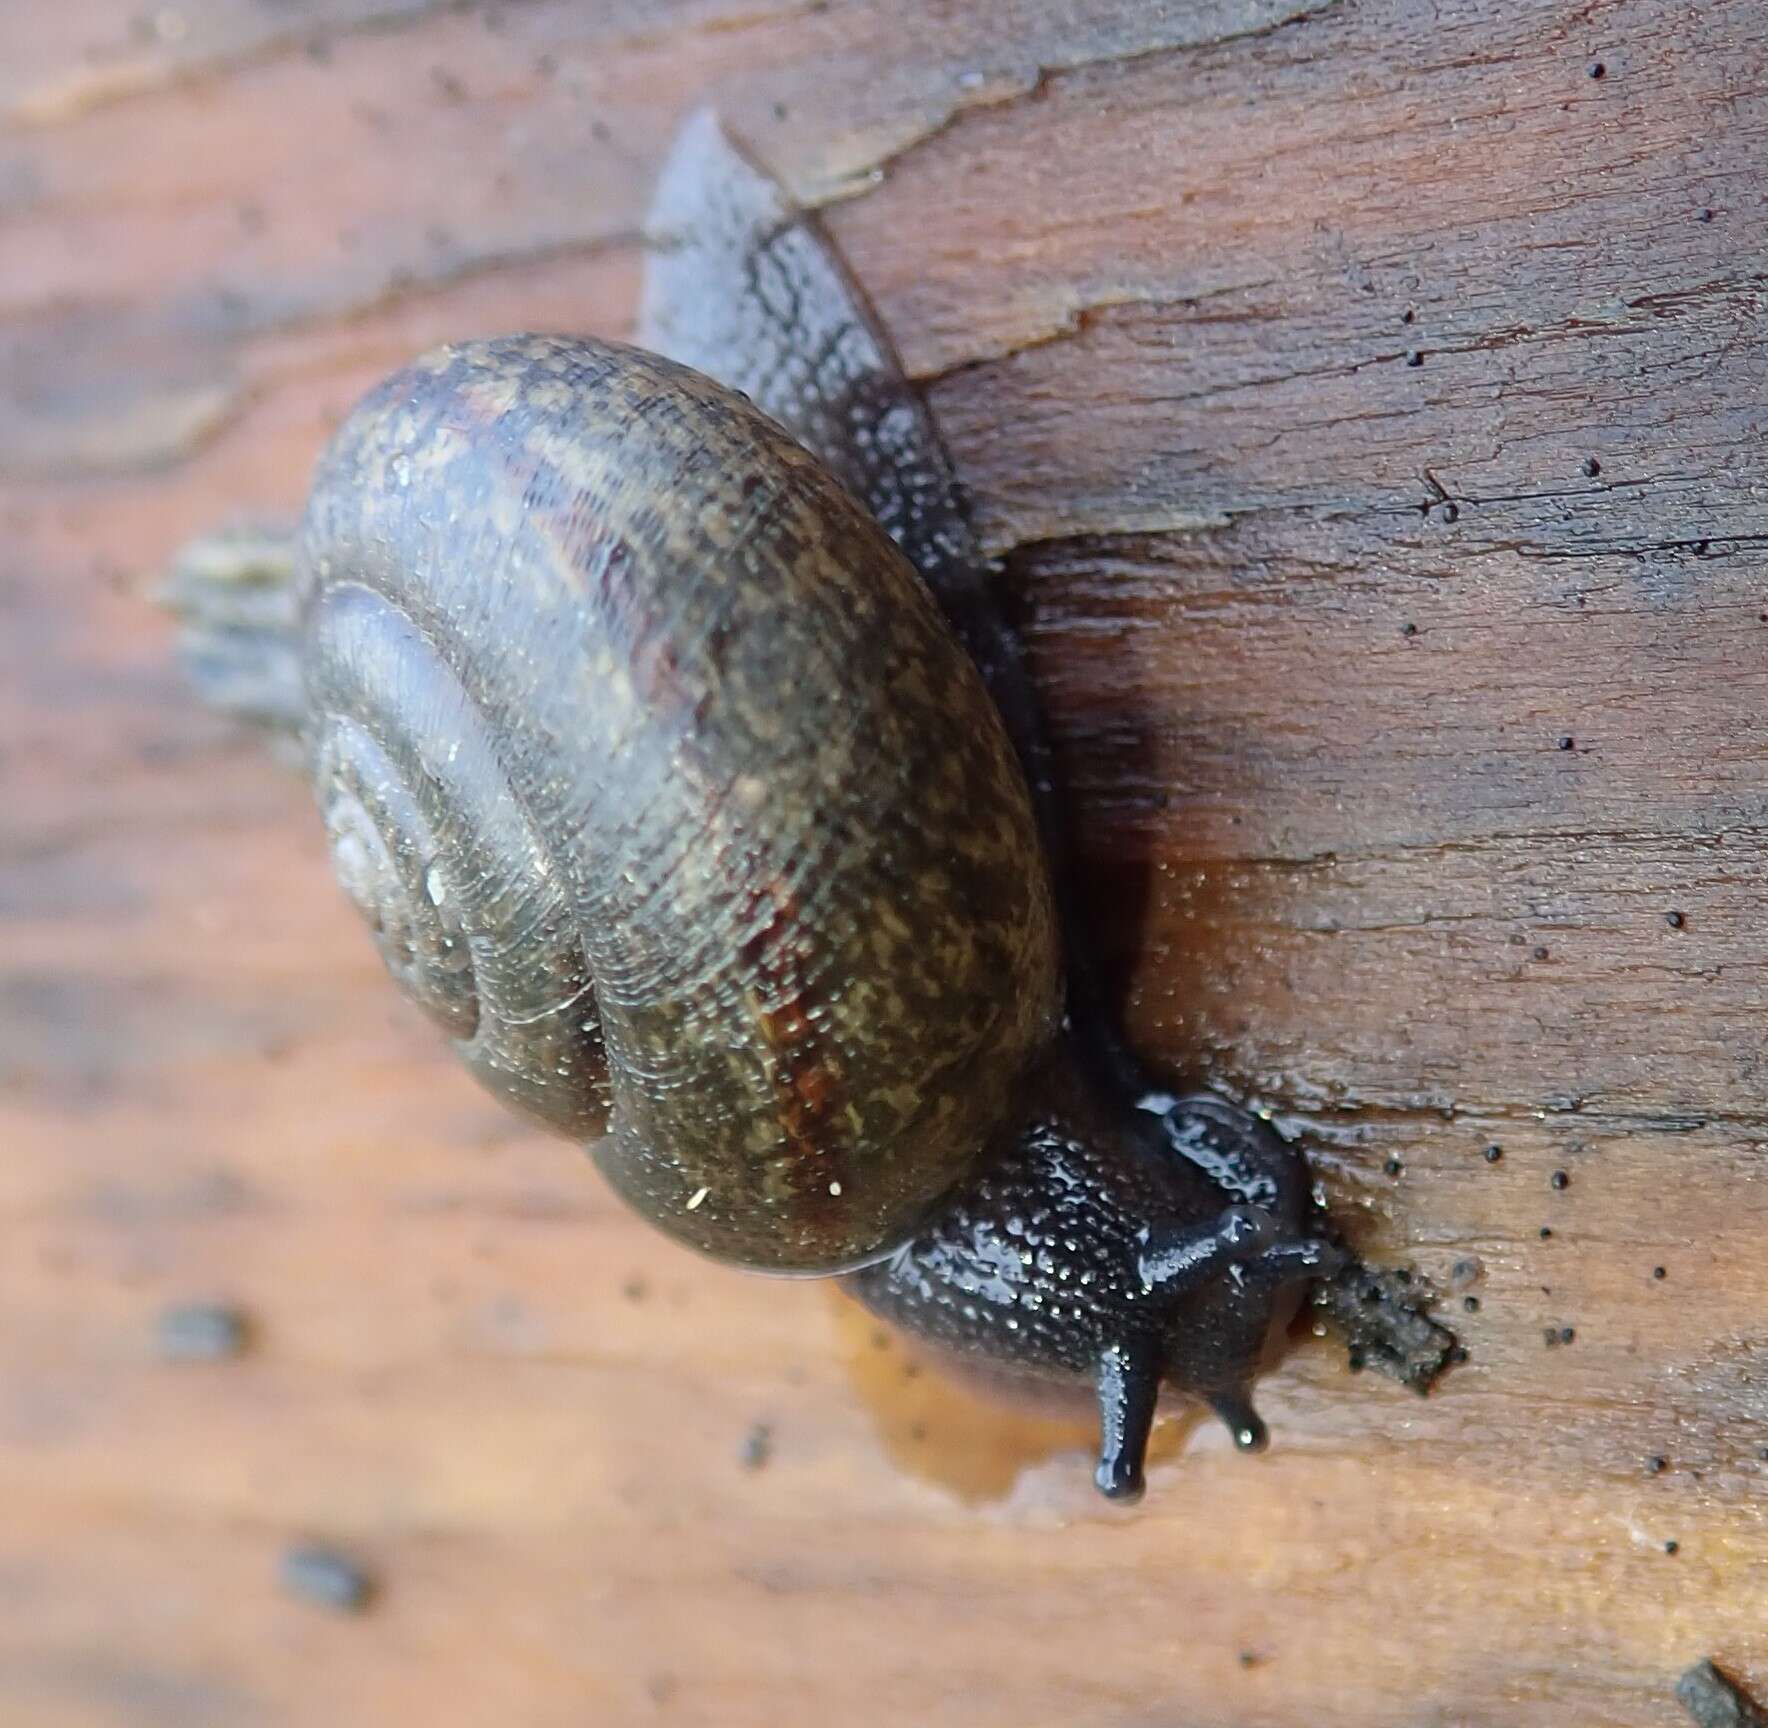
x=671 y=795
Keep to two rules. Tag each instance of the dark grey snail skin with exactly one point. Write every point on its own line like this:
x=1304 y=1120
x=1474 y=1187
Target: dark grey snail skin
x=691 y=781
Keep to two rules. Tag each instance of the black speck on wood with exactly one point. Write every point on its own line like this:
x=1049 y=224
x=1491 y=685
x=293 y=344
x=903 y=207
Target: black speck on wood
x=200 y=1332
x=324 y=1577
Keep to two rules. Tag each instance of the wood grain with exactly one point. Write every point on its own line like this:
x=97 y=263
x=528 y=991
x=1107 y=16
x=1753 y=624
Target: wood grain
x=1365 y=400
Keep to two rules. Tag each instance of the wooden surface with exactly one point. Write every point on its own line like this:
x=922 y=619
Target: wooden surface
x=1405 y=704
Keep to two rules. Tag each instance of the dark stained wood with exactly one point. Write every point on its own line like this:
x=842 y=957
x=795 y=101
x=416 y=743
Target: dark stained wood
x=1365 y=400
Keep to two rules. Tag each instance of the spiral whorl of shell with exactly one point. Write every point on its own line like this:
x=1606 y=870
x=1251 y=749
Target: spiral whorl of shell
x=669 y=793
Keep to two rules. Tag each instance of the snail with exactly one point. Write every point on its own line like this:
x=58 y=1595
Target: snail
x=670 y=741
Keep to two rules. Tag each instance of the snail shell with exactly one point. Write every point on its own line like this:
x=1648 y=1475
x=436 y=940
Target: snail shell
x=671 y=796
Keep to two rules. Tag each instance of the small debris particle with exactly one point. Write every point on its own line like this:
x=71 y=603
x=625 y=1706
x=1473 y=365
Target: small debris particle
x=1394 y=1167
x=1672 y=1546
x=1706 y=215
x=1567 y=1334
x=1715 y=1701
x=1675 y=920
x=1250 y=1658
x=1660 y=1272
x=1356 y=1362
x=201 y=1332
x=1546 y=1232
x=1380 y=1316
x=1494 y=1153
x=757 y=1447
x=1451 y=511
x=1465 y=1272
x=1657 y=1464
x=1550 y=1336
x=1414 y=356
x=1566 y=741
x=1408 y=629
x=1598 y=70
x=325 y=1578
x=1561 y=1180
x=1591 y=467
x=1470 y=1303
x=1542 y=951
x=1409 y=316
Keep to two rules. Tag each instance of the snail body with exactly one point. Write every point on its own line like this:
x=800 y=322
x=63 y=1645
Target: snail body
x=673 y=749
